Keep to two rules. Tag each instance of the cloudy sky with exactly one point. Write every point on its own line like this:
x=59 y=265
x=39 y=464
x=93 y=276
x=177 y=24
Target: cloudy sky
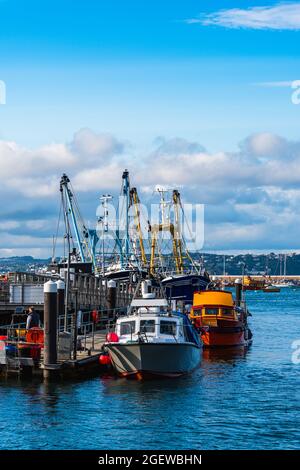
x=194 y=94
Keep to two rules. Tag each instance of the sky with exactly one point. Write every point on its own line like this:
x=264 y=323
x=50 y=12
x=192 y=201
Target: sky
x=196 y=95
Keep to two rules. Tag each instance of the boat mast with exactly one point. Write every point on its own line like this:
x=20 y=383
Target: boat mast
x=126 y=190
x=177 y=240
x=68 y=237
x=135 y=201
x=162 y=225
x=181 y=249
x=124 y=247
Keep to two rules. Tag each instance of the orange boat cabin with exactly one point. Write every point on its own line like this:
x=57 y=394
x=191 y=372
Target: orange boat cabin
x=219 y=320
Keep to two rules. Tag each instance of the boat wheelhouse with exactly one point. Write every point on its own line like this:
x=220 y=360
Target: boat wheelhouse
x=220 y=320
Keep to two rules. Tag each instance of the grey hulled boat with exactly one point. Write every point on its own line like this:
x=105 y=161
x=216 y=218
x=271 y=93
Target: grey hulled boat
x=153 y=341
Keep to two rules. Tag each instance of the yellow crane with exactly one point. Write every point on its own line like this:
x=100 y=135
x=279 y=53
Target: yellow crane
x=135 y=202
x=175 y=230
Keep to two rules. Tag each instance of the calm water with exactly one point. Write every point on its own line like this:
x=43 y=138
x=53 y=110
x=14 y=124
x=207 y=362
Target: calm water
x=234 y=401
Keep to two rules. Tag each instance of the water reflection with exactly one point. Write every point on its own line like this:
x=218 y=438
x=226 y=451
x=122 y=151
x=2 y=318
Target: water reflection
x=225 y=354
x=117 y=386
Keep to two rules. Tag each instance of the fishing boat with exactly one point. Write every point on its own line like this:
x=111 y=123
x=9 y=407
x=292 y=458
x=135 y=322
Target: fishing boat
x=181 y=287
x=152 y=341
x=221 y=321
x=170 y=259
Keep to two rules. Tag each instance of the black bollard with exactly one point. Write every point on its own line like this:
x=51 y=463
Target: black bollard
x=50 y=327
x=238 y=291
x=60 y=297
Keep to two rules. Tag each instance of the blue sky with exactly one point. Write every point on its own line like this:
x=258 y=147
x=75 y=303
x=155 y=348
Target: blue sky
x=215 y=73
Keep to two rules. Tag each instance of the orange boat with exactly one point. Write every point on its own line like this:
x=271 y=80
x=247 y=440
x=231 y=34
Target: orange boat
x=253 y=284
x=220 y=321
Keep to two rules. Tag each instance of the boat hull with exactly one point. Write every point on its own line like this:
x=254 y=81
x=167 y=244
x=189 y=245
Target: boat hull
x=215 y=337
x=146 y=360
x=124 y=274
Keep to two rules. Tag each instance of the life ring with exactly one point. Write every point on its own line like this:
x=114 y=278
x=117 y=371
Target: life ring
x=35 y=335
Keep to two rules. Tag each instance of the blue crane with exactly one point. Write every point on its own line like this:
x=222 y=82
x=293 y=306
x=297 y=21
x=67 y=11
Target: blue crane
x=86 y=239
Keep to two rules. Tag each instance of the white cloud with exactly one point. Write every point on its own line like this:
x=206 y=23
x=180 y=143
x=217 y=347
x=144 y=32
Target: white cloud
x=280 y=16
x=264 y=144
x=19 y=161
x=95 y=146
x=252 y=195
x=36 y=172
x=9 y=225
x=105 y=177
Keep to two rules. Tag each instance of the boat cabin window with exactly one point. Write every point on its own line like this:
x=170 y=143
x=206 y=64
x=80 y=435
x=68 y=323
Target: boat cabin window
x=147 y=326
x=226 y=311
x=211 y=311
x=127 y=328
x=168 y=327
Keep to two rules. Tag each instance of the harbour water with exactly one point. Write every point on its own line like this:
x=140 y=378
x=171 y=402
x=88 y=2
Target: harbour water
x=235 y=400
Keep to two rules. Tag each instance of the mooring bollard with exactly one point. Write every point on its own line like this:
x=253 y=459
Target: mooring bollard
x=60 y=297
x=50 y=328
x=238 y=291
x=111 y=296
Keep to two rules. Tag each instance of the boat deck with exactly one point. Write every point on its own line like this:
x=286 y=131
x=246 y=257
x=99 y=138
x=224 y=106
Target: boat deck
x=87 y=360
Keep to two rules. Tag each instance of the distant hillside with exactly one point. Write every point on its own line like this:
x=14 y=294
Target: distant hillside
x=273 y=264
x=21 y=263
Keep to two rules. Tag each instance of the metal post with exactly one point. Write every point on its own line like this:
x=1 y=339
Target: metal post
x=67 y=292
x=50 y=326
x=238 y=291
x=75 y=326
x=60 y=297
x=93 y=336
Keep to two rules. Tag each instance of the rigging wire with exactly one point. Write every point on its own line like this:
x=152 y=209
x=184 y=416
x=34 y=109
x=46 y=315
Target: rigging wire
x=57 y=230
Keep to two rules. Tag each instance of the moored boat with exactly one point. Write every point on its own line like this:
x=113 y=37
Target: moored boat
x=152 y=341
x=250 y=283
x=220 y=321
x=271 y=288
x=182 y=286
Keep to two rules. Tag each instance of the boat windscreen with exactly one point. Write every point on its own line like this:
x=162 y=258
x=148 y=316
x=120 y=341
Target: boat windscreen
x=147 y=326
x=127 y=328
x=168 y=327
